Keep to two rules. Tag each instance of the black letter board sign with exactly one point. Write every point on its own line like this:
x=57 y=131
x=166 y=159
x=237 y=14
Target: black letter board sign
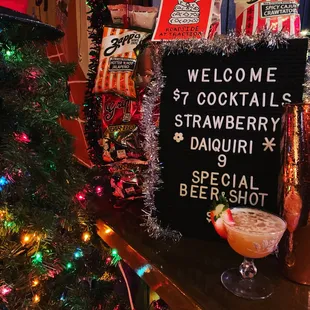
x=220 y=131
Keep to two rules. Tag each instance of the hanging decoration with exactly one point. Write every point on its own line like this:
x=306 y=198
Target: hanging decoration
x=98 y=17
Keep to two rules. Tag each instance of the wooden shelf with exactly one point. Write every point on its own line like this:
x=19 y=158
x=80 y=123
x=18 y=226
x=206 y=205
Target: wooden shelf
x=187 y=274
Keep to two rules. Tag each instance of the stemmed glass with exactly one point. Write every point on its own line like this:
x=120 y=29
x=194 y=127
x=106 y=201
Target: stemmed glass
x=255 y=234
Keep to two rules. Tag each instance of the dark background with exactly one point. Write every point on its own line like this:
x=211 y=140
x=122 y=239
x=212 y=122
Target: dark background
x=187 y=214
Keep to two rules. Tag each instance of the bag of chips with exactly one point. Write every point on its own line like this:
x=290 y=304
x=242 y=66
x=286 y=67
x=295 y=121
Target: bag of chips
x=126 y=179
x=117 y=110
x=120 y=119
x=121 y=142
x=117 y=61
x=140 y=16
x=215 y=27
x=252 y=16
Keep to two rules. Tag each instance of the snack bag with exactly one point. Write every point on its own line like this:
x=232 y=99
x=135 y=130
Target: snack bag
x=121 y=142
x=277 y=15
x=126 y=179
x=140 y=16
x=215 y=27
x=118 y=61
x=117 y=110
x=144 y=20
x=120 y=119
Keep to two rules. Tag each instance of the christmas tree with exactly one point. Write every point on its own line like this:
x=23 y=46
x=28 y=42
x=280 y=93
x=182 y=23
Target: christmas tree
x=50 y=256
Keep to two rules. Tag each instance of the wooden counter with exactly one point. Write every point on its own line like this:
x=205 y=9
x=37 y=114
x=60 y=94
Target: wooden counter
x=187 y=275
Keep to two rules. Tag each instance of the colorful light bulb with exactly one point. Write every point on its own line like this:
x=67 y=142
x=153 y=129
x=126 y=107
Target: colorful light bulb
x=62 y=297
x=108 y=231
x=36 y=298
x=21 y=137
x=8 y=224
x=99 y=190
x=35 y=282
x=69 y=266
x=37 y=258
x=86 y=236
x=3 y=181
x=80 y=196
x=5 y=290
x=2 y=214
x=78 y=253
x=25 y=239
x=114 y=252
x=9 y=53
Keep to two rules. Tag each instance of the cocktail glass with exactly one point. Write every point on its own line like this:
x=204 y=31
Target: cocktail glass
x=255 y=234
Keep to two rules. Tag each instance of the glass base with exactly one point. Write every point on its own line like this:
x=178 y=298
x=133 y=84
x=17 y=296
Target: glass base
x=258 y=287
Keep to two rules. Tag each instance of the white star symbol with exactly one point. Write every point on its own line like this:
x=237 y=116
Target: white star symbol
x=269 y=144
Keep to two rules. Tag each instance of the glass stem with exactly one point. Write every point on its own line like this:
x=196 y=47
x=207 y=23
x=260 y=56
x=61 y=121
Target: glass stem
x=248 y=269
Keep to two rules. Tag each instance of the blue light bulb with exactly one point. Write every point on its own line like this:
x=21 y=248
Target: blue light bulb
x=3 y=181
x=78 y=253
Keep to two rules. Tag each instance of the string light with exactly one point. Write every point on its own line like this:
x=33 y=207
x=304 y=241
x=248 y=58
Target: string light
x=108 y=230
x=26 y=239
x=69 y=266
x=36 y=298
x=107 y=277
x=35 y=282
x=115 y=257
x=143 y=269
x=2 y=214
x=9 y=53
x=3 y=181
x=8 y=224
x=37 y=258
x=21 y=137
x=99 y=190
x=80 y=196
x=5 y=290
x=86 y=236
x=78 y=253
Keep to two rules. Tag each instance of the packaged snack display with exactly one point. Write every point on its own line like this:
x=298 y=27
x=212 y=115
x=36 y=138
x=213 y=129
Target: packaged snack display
x=120 y=142
x=145 y=20
x=117 y=110
x=126 y=179
x=140 y=16
x=120 y=119
x=277 y=15
x=215 y=27
x=117 y=61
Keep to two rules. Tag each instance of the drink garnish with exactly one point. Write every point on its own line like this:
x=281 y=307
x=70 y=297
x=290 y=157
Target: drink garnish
x=220 y=213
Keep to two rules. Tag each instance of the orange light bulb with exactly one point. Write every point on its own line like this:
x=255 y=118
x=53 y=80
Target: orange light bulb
x=86 y=236
x=36 y=298
x=35 y=282
x=26 y=239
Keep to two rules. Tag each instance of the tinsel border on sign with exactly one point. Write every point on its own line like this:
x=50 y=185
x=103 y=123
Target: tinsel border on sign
x=221 y=45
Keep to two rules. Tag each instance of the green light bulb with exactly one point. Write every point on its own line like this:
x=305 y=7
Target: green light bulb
x=114 y=252
x=69 y=265
x=39 y=255
x=37 y=258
